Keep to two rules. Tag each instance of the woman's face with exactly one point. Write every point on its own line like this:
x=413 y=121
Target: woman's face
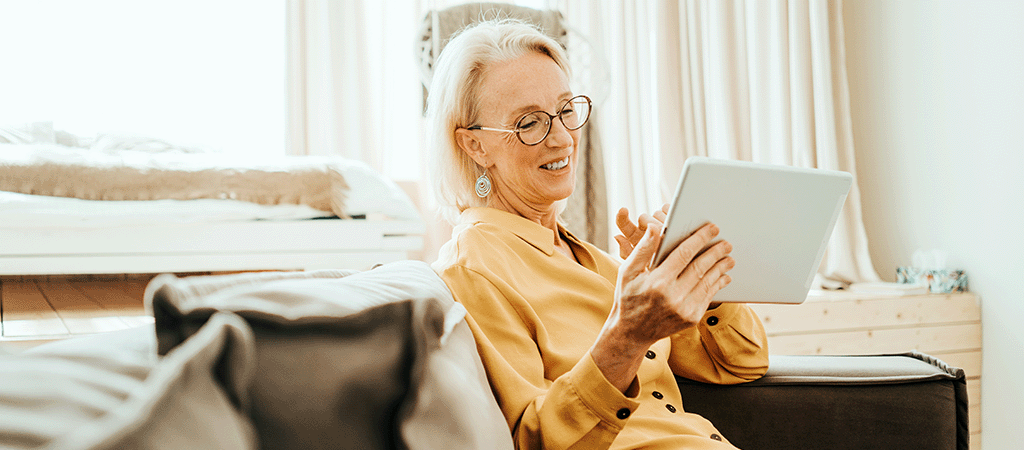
x=524 y=176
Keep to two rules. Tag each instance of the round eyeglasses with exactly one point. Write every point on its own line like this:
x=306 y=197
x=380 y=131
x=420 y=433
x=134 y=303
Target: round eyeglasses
x=533 y=128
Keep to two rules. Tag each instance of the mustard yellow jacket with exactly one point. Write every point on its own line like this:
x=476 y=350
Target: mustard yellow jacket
x=535 y=314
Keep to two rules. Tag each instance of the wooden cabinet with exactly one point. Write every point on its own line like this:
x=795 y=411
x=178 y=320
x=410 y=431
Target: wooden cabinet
x=946 y=326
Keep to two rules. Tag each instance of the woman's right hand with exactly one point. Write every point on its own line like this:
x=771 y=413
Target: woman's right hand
x=656 y=303
x=652 y=304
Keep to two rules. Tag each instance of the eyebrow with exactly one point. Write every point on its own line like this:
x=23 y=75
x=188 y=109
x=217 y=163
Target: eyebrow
x=519 y=112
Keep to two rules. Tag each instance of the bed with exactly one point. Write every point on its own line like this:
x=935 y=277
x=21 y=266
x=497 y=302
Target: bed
x=101 y=220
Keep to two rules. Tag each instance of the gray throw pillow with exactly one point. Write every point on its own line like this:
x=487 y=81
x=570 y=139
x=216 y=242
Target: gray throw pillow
x=75 y=396
x=374 y=359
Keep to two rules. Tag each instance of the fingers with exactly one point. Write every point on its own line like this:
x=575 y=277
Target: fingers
x=633 y=232
x=713 y=281
x=662 y=214
x=701 y=264
x=717 y=271
x=626 y=226
x=646 y=220
x=643 y=252
x=722 y=282
x=684 y=253
x=625 y=247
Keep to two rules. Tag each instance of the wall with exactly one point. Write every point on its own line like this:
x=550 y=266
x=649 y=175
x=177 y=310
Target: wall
x=937 y=99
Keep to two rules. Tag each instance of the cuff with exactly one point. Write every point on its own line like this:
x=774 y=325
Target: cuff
x=719 y=318
x=600 y=396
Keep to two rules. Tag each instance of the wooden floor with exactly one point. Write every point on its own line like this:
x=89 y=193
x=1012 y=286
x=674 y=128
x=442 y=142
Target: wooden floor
x=39 y=309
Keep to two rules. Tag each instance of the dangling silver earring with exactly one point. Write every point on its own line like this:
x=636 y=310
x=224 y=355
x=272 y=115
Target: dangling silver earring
x=483 y=185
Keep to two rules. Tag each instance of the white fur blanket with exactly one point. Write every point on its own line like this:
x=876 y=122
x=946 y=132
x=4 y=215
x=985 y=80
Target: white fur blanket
x=56 y=170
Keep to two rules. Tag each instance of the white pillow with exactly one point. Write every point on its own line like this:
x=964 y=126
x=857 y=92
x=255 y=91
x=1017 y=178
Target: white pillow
x=28 y=133
x=370 y=193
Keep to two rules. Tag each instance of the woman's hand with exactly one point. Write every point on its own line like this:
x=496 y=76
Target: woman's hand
x=633 y=232
x=651 y=304
x=656 y=303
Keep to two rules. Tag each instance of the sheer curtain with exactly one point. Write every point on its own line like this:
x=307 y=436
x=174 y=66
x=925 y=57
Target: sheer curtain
x=353 y=84
x=756 y=80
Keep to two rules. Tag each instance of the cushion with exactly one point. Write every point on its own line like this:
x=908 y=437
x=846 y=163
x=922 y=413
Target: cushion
x=76 y=395
x=374 y=359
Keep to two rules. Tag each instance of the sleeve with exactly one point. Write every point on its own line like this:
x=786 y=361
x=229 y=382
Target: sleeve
x=729 y=346
x=579 y=409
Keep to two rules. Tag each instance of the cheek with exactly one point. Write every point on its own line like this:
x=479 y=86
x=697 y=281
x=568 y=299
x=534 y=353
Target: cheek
x=522 y=158
x=511 y=159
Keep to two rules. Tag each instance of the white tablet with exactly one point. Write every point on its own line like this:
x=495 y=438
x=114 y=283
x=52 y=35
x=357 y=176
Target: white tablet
x=777 y=218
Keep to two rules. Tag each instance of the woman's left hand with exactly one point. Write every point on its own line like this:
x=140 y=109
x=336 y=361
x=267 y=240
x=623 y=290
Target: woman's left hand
x=632 y=232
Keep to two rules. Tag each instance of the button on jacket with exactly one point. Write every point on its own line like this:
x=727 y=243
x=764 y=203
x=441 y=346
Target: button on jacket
x=535 y=313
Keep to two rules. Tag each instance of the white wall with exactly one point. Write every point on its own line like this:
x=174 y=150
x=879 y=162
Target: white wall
x=937 y=98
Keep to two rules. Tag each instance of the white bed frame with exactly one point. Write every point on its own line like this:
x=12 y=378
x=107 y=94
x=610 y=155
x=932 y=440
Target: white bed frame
x=233 y=246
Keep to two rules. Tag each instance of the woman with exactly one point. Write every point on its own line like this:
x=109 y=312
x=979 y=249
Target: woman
x=579 y=351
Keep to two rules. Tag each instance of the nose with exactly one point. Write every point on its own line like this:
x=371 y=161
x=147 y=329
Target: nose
x=559 y=136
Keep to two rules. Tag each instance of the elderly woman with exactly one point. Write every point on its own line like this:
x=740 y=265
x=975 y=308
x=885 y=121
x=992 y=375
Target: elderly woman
x=580 y=351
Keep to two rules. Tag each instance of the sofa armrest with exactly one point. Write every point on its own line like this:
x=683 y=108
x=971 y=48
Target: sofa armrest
x=909 y=400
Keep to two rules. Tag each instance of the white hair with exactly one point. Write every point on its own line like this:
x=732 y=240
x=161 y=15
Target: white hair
x=454 y=101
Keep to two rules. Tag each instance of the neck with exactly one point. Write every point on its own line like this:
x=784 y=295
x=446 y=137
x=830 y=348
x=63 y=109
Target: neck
x=545 y=215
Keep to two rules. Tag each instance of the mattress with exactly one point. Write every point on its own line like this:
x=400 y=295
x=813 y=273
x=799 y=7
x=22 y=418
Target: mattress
x=37 y=211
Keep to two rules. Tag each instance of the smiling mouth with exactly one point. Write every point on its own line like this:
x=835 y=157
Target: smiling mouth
x=557 y=164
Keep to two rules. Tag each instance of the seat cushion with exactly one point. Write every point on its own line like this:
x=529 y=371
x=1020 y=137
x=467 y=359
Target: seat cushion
x=374 y=359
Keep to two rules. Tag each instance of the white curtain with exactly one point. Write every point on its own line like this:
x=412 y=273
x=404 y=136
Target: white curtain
x=758 y=80
x=755 y=80
x=353 y=85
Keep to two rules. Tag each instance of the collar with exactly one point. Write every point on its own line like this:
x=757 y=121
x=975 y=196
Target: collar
x=533 y=233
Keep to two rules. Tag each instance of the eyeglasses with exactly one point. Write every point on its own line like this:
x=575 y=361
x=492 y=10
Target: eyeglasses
x=533 y=128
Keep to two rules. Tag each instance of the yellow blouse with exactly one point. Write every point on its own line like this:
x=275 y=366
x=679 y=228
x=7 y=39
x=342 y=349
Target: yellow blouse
x=535 y=313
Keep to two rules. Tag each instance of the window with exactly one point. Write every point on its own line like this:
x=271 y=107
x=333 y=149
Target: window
x=193 y=72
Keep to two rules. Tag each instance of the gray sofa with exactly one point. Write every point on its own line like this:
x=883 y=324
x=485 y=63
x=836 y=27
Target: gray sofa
x=384 y=359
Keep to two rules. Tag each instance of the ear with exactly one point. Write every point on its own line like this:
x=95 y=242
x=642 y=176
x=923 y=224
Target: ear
x=469 y=143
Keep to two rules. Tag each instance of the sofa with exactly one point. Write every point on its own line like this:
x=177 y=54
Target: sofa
x=383 y=359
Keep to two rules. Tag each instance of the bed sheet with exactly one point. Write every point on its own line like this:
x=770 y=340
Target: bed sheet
x=37 y=211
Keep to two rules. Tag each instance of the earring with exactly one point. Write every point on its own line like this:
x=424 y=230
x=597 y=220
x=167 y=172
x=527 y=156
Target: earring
x=483 y=185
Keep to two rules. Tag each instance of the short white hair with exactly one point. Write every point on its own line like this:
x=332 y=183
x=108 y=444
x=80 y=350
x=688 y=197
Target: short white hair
x=453 y=101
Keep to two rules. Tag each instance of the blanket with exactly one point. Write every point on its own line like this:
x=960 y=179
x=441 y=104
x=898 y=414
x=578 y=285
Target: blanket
x=60 y=171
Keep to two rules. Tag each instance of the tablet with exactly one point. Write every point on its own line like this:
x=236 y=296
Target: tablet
x=777 y=218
